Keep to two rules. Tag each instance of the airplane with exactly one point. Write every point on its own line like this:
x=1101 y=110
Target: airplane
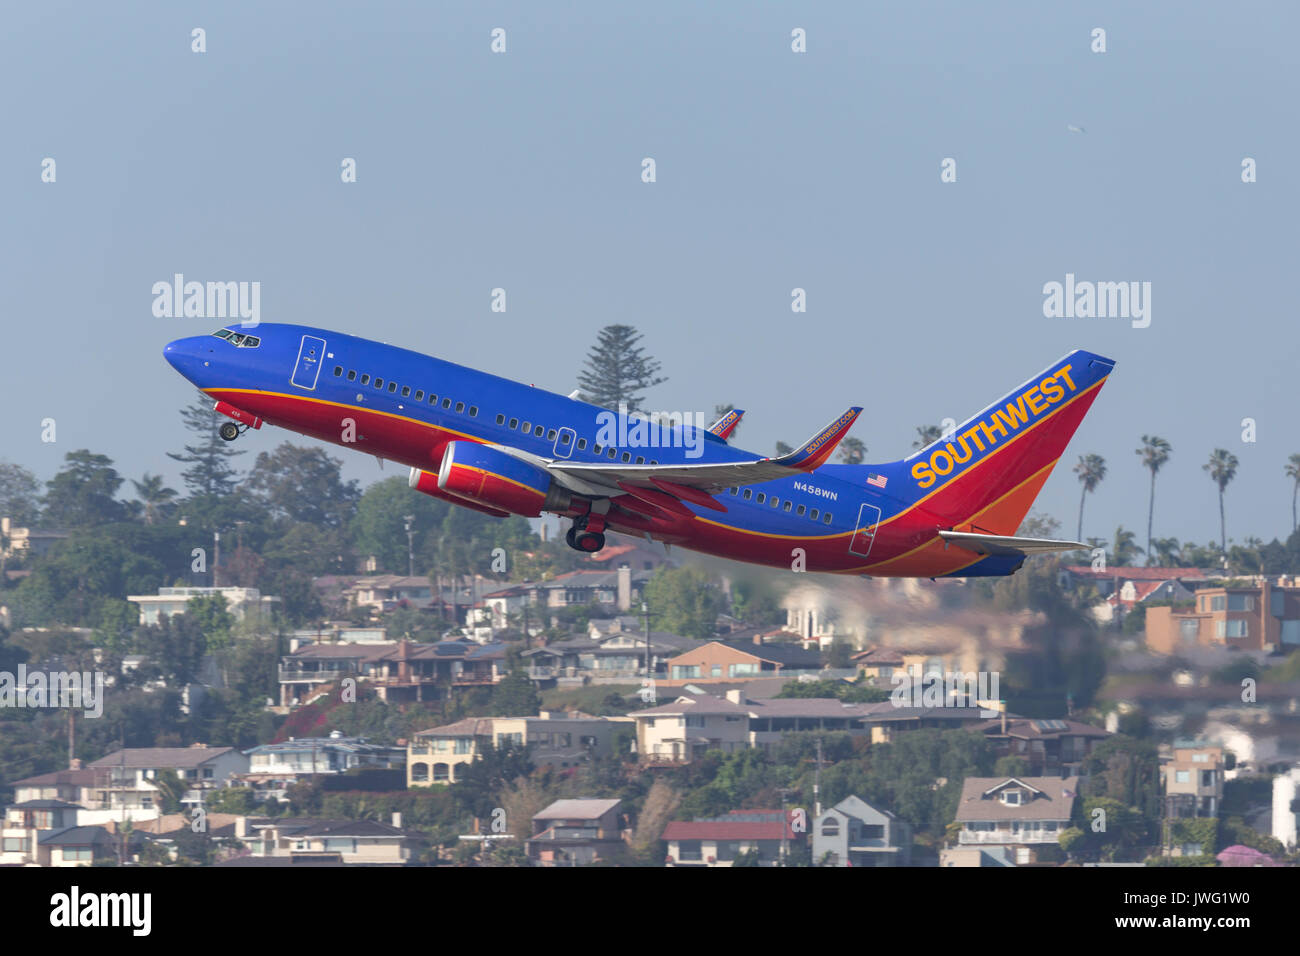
x=501 y=447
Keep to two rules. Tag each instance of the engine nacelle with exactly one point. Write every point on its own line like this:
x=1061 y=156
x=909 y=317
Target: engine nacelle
x=426 y=482
x=493 y=479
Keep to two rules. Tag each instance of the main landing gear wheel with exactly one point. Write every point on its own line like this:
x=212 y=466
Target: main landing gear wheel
x=229 y=431
x=580 y=539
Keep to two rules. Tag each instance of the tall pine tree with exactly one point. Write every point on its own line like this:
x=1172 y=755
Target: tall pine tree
x=618 y=370
x=210 y=471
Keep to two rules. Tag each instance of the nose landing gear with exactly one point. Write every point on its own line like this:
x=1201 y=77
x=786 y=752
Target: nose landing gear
x=587 y=533
x=229 y=431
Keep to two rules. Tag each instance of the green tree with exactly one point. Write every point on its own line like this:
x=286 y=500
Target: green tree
x=211 y=615
x=19 y=494
x=304 y=485
x=1091 y=469
x=852 y=451
x=1154 y=453
x=82 y=494
x=156 y=499
x=1222 y=468
x=685 y=600
x=515 y=696
x=210 y=472
x=379 y=526
x=617 y=369
x=1167 y=552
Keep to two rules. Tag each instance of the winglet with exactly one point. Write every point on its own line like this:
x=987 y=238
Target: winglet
x=725 y=425
x=814 y=452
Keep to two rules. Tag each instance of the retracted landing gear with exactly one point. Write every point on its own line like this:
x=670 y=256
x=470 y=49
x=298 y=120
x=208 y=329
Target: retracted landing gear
x=587 y=533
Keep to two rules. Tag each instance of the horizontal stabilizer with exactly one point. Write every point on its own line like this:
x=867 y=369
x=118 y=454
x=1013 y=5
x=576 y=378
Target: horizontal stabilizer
x=1007 y=544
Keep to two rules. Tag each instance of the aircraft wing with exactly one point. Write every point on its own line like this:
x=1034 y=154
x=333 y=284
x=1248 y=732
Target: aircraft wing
x=1007 y=544
x=687 y=482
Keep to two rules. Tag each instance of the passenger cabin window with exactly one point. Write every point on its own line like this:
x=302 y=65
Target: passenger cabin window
x=379 y=383
x=460 y=408
x=392 y=386
x=365 y=379
x=610 y=453
x=826 y=518
x=761 y=498
x=338 y=370
x=802 y=509
x=501 y=419
x=446 y=403
x=565 y=438
x=419 y=395
x=526 y=427
x=787 y=506
x=433 y=399
x=814 y=514
x=514 y=423
x=406 y=391
x=352 y=375
x=550 y=434
x=539 y=431
x=749 y=493
x=582 y=444
x=775 y=501
x=473 y=411
x=627 y=456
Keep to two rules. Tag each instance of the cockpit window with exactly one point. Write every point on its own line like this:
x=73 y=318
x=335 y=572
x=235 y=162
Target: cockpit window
x=238 y=339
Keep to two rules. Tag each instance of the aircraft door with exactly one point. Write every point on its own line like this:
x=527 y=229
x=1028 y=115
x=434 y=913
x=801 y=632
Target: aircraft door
x=865 y=533
x=564 y=442
x=310 y=356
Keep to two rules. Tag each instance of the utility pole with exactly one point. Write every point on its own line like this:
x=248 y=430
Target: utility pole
x=216 y=558
x=645 y=610
x=817 y=783
x=410 y=546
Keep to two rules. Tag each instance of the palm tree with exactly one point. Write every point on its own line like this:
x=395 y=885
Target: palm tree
x=926 y=434
x=1091 y=469
x=1126 y=547
x=1293 y=472
x=154 y=495
x=1222 y=468
x=1154 y=453
x=1166 y=552
x=852 y=451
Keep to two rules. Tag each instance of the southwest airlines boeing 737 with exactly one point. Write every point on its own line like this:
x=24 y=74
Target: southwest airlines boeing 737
x=502 y=447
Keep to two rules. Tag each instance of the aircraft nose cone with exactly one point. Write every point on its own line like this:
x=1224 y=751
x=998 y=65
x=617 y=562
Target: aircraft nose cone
x=184 y=355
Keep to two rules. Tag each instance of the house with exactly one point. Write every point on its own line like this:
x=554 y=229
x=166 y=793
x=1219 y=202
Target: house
x=611 y=657
x=854 y=833
x=244 y=604
x=1193 y=779
x=346 y=842
x=1286 y=807
x=87 y=845
x=887 y=720
x=26 y=821
x=554 y=739
x=727 y=660
x=576 y=833
x=384 y=592
x=720 y=841
x=1131 y=594
x=124 y=784
x=1047 y=746
x=1265 y=617
x=273 y=767
x=399 y=672
x=1025 y=813
x=689 y=726
x=15 y=541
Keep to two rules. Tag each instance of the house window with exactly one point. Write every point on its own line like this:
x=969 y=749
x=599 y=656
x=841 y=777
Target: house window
x=1241 y=602
x=1182 y=776
x=689 y=850
x=464 y=746
x=15 y=844
x=1218 y=602
x=1011 y=798
x=830 y=827
x=78 y=853
x=1232 y=628
x=1189 y=628
x=873 y=831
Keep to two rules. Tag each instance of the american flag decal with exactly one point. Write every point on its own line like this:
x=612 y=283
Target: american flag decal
x=879 y=481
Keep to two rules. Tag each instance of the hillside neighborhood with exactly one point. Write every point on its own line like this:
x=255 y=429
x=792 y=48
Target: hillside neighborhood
x=522 y=705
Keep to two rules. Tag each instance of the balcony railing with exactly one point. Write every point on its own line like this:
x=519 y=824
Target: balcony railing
x=1008 y=836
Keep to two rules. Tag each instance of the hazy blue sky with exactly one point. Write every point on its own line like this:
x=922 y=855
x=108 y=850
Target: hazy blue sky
x=775 y=170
